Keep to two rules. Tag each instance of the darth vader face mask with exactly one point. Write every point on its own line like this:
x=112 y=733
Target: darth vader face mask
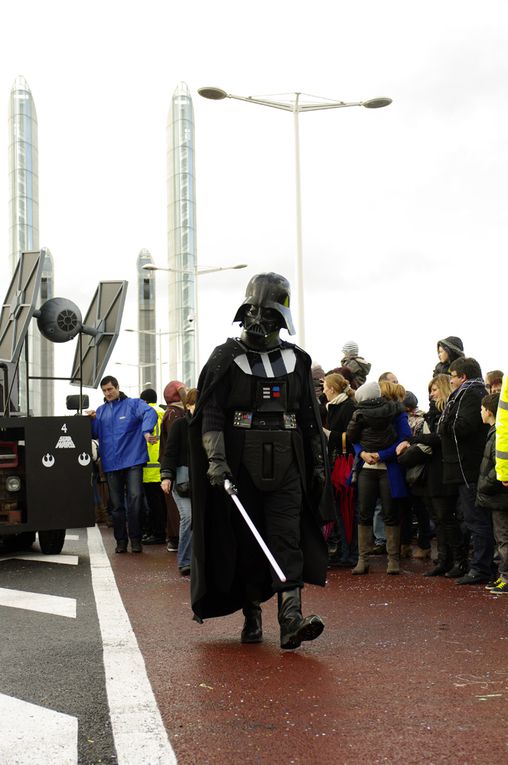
x=261 y=321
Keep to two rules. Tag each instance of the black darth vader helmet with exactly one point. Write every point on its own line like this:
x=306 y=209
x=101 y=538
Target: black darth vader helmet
x=268 y=291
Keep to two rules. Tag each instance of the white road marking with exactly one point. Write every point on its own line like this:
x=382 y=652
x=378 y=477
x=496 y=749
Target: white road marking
x=72 y=536
x=66 y=560
x=36 y=601
x=30 y=734
x=138 y=730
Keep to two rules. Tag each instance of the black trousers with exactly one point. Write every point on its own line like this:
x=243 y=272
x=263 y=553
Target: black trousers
x=373 y=483
x=276 y=515
x=450 y=539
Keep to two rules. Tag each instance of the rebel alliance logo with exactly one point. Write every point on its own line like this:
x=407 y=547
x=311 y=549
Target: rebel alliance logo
x=48 y=460
x=84 y=459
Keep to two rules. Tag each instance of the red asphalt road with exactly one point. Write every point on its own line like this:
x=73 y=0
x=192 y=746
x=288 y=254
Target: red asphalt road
x=408 y=670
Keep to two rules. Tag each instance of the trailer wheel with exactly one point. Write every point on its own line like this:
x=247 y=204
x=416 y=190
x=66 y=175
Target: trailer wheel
x=51 y=542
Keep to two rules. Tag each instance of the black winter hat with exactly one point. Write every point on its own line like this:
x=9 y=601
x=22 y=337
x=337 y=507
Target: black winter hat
x=410 y=401
x=453 y=344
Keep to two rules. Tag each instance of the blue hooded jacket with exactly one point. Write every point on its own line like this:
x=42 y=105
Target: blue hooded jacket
x=120 y=426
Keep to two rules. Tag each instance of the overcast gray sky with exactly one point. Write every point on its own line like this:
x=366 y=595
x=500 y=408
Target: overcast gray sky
x=404 y=209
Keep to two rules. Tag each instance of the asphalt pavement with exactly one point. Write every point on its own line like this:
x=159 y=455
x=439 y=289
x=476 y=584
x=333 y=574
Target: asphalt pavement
x=408 y=670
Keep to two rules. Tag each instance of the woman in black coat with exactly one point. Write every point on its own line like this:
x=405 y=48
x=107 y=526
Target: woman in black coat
x=442 y=498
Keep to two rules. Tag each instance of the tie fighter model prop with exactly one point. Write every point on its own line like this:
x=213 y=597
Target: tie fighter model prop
x=46 y=462
x=59 y=320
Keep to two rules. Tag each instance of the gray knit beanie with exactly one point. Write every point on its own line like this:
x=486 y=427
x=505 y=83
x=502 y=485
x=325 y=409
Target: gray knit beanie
x=350 y=349
x=367 y=391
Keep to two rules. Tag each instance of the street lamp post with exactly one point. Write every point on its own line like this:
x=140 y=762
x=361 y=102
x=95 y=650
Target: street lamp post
x=142 y=384
x=192 y=323
x=159 y=334
x=296 y=106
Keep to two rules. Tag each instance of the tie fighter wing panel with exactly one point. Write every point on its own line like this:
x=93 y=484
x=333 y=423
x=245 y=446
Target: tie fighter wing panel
x=19 y=305
x=101 y=327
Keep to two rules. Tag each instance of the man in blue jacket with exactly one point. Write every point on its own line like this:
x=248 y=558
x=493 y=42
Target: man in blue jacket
x=123 y=427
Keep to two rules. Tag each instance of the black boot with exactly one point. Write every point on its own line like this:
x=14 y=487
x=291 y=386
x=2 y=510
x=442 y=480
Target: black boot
x=252 y=629
x=444 y=557
x=438 y=570
x=294 y=629
x=458 y=570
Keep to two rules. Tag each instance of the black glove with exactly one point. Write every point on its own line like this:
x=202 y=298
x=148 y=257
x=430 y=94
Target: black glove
x=318 y=465
x=219 y=470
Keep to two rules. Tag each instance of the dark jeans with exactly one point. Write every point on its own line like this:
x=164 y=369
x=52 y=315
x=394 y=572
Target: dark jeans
x=478 y=521
x=127 y=498
x=373 y=483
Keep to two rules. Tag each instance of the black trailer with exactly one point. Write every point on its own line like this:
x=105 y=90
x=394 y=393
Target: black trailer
x=46 y=480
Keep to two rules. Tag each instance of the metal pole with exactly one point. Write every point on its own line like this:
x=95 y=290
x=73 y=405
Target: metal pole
x=159 y=333
x=196 y=332
x=300 y=327
x=27 y=378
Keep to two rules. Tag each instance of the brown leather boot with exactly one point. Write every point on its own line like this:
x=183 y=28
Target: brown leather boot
x=393 y=549
x=365 y=539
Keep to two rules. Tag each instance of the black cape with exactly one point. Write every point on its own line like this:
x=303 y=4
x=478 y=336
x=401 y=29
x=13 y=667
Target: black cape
x=215 y=590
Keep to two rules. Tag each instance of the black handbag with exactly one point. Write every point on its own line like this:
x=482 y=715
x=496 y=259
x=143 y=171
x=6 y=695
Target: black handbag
x=415 y=461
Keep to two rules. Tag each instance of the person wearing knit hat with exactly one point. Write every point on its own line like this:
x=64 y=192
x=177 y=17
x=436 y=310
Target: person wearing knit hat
x=356 y=363
x=448 y=350
x=174 y=395
x=350 y=349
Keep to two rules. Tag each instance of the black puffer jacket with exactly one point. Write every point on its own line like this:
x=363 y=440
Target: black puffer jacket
x=490 y=492
x=372 y=424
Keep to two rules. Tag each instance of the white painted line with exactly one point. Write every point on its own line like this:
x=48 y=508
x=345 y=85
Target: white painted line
x=36 y=601
x=138 y=730
x=66 y=560
x=30 y=734
x=74 y=537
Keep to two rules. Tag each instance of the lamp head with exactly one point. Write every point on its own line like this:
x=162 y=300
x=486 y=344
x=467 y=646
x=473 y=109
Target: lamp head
x=216 y=94
x=377 y=103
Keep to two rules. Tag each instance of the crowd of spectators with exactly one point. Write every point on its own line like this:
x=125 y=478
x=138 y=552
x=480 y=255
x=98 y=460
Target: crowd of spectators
x=418 y=474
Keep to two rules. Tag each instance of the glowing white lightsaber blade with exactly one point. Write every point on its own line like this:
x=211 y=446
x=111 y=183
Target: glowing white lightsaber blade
x=231 y=490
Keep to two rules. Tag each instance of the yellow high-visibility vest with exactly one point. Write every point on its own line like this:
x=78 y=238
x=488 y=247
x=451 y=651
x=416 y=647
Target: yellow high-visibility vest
x=502 y=433
x=152 y=469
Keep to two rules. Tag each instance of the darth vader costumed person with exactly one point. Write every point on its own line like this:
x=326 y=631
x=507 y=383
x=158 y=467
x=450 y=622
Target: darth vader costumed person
x=257 y=423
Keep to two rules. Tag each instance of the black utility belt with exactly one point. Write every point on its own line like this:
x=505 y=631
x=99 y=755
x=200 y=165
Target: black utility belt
x=265 y=421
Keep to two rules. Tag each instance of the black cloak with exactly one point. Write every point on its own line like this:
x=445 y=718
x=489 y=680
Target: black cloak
x=215 y=590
